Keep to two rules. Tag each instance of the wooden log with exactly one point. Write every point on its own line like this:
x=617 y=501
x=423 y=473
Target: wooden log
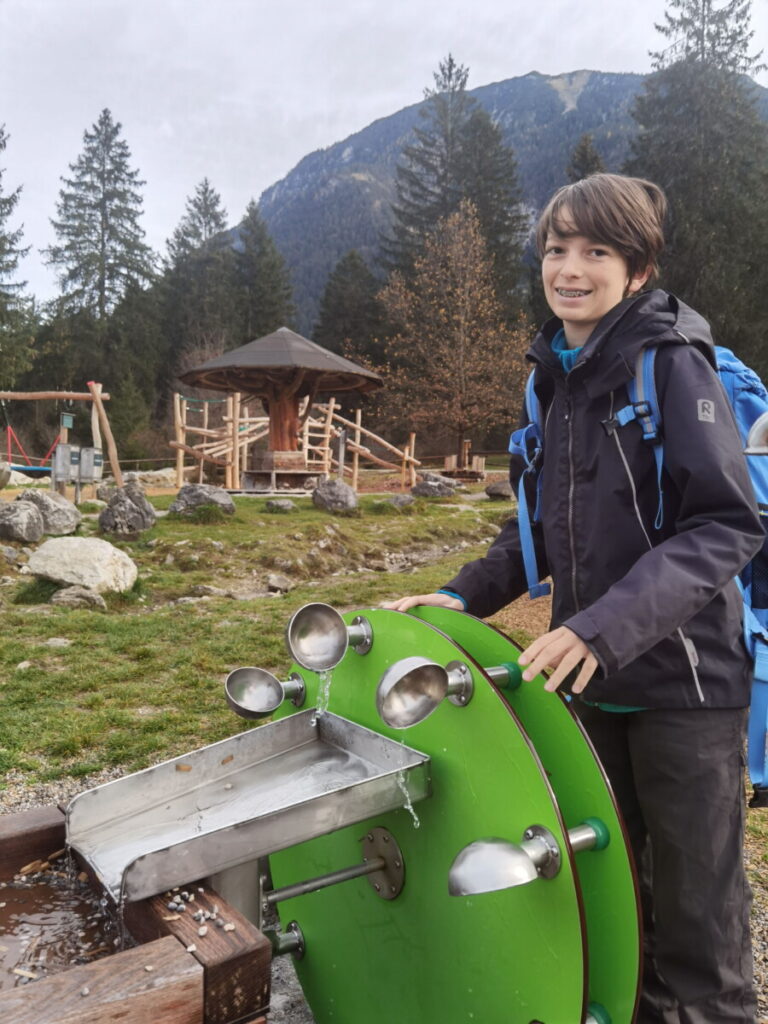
x=34 y=396
x=179 y=436
x=197 y=454
x=107 y=431
x=236 y=962
x=412 y=460
x=369 y=433
x=29 y=835
x=156 y=982
x=355 y=452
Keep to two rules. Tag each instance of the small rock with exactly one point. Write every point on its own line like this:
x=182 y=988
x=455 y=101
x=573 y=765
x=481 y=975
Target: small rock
x=278 y=583
x=202 y=930
x=23 y=665
x=11 y=555
x=58 y=641
x=432 y=489
x=280 y=505
x=78 y=597
x=501 y=490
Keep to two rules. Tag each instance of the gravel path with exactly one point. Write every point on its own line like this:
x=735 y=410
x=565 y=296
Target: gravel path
x=288 y=1005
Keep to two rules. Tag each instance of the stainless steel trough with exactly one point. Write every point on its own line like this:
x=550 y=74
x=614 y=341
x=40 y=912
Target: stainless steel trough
x=228 y=803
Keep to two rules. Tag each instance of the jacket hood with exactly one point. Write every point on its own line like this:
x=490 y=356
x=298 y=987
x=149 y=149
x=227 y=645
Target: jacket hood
x=651 y=318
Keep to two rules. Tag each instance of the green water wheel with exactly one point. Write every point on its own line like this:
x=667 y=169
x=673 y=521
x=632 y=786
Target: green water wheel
x=511 y=957
x=582 y=791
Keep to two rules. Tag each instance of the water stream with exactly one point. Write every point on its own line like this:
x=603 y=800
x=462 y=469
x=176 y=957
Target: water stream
x=407 y=805
x=323 y=693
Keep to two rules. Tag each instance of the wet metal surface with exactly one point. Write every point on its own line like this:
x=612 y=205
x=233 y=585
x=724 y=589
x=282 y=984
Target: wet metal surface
x=233 y=801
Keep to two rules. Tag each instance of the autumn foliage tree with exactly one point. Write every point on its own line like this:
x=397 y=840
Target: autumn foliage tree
x=453 y=362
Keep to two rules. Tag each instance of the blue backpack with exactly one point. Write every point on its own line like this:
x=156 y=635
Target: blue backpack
x=749 y=400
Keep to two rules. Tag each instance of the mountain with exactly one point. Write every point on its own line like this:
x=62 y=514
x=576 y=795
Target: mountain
x=337 y=199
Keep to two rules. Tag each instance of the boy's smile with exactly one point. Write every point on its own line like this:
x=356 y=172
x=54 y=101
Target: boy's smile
x=584 y=280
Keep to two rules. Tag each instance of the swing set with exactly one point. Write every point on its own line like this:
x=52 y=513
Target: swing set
x=99 y=424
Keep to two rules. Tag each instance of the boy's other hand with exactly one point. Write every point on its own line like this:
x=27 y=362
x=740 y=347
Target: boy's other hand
x=561 y=650
x=402 y=604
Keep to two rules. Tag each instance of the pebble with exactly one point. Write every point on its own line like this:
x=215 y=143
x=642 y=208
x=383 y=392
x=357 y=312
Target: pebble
x=202 y=930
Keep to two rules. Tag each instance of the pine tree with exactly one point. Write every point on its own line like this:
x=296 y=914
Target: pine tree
x=701 y=139
x=585 y=160
x=427 y=183
x=202 y=301
x=263 y=279
x=453 y=359
x=16 y=310
x=458 y=154
x=351 y=318
x=100 y=249
x=706 y=32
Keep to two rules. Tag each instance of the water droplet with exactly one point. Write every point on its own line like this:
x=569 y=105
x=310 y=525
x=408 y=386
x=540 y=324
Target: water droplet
x=403 y=786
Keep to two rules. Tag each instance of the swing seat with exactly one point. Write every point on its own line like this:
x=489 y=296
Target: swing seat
x=31 y=470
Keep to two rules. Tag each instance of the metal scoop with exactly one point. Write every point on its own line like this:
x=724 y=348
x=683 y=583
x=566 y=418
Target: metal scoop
x=317 y=637
x=256 y=693
x=412 y=688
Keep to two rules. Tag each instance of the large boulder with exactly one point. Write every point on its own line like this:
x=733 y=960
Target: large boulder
x=5 y=474
x=21 y=520
x=192 y=496
x=84 y=562
x=127 y=513
x=60 y=515
x=334 y=496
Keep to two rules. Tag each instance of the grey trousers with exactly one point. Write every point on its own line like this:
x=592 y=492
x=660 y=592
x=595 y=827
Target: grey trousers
x=678 y=778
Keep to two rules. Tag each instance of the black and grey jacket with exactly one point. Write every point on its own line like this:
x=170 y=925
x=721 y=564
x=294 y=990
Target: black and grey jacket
x=656 y=606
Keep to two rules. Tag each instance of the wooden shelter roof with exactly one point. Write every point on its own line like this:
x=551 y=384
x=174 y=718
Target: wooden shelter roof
x=280 y=360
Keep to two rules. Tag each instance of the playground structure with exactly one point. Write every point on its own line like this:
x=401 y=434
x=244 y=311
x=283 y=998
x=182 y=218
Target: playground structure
x=237 y=446
x=63 y=461
x=442 y=844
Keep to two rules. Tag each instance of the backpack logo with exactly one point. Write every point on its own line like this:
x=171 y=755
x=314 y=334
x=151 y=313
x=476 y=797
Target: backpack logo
x=706 y=410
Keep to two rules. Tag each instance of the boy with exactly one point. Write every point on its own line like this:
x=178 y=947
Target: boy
x=646 y=617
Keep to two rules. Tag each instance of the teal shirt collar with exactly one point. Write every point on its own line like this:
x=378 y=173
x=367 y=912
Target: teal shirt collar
x=567 y=356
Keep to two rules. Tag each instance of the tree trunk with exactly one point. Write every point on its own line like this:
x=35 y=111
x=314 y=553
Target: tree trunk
x=283 y=423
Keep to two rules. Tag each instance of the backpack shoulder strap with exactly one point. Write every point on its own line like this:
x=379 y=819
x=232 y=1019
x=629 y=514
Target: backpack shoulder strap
x=644 y=407
x=528 y=443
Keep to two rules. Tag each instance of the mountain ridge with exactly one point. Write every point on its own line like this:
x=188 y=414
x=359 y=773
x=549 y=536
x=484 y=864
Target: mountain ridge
x=338 y=198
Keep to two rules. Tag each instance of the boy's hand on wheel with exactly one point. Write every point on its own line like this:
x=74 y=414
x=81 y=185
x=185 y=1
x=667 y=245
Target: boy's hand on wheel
x=402 y=604
x=561 y=650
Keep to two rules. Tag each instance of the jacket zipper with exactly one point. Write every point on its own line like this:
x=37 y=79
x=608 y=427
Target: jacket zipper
x=571 y=488
x=688 y=644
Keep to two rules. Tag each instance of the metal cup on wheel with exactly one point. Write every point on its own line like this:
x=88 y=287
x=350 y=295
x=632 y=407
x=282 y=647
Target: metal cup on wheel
x=256 y=693
x=317 y=637
x=412 y=688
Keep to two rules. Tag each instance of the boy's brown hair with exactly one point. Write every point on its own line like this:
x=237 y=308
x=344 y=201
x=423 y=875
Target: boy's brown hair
x=626 y=213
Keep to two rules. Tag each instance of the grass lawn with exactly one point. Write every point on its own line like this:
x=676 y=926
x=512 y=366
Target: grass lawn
x=143 y=681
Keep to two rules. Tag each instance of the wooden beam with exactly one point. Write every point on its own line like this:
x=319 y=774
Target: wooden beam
x=236 y=961
x=156 y=982
x=196 y=454
x=34 y=396
x=107 y=431
x=29 y=835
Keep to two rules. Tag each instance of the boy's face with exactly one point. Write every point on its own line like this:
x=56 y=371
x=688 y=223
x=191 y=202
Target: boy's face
x=584 y=280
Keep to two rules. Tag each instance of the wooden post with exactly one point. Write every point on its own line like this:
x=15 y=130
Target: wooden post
x=228 y=455
x=201 y=470
x=412 y=461
x=236 y=962
x=327 y=437
x=179 y=436
x=107 y=431
x=355 y=452
x=236 y=441
x=403 y=466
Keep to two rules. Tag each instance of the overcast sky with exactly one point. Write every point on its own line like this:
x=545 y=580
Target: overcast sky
x=240 y=90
